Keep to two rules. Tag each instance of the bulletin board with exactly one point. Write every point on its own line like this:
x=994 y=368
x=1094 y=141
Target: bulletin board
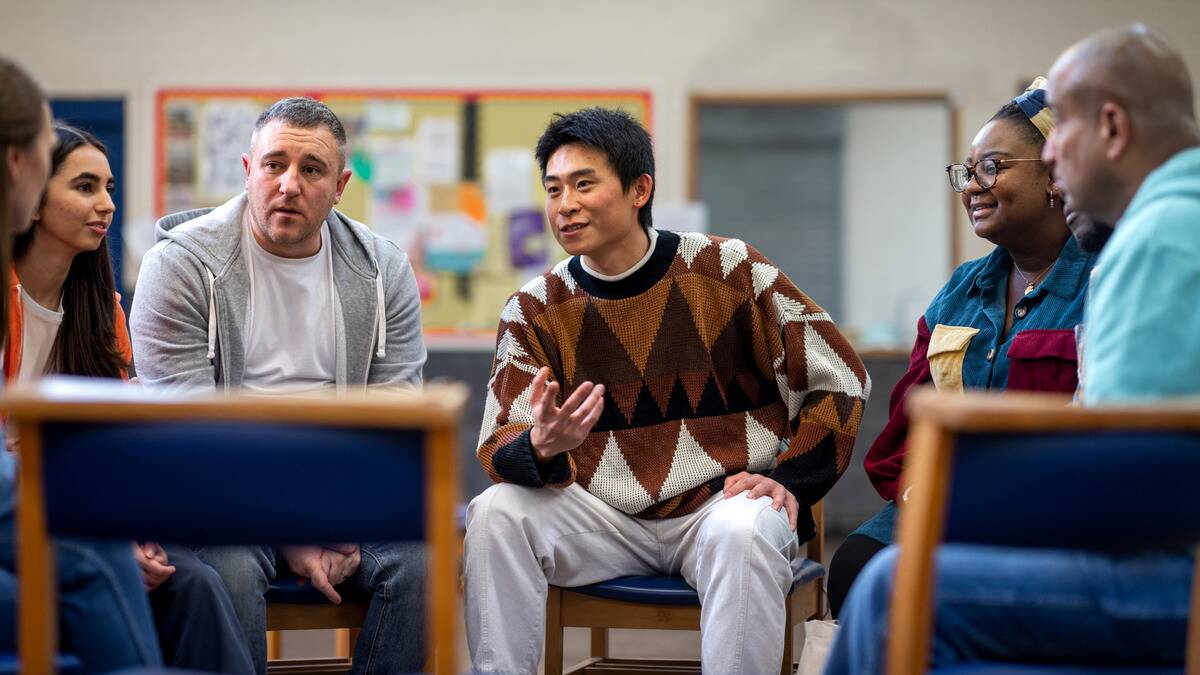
x=448 y=175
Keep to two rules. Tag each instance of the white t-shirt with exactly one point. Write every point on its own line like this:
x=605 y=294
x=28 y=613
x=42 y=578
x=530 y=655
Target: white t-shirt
x=652 y=234
x=38 y=332
x=290 y=332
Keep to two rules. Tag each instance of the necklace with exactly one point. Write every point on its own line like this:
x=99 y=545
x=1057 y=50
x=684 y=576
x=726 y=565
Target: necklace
x=1030 y=284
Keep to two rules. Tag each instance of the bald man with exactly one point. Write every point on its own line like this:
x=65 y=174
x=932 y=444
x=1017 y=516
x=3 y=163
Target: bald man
x=1126 y=149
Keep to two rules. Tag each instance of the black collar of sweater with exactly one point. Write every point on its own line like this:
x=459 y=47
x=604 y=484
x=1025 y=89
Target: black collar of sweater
x=637 y=283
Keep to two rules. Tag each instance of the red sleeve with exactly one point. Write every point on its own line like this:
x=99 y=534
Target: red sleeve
x=885 y=460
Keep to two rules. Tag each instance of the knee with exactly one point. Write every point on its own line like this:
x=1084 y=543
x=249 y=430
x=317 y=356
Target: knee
x=500 y=510
x=244 y=570
x=395 y=565
x=198 y=583
x=739 y=521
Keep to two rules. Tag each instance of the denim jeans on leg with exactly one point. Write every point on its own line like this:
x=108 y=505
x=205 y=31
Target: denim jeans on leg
x=247 y=572
x=392 y=575
x=103 y=614
x=1025 y=605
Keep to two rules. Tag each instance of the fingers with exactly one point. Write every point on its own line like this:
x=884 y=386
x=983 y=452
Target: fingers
x=735 y=484
x=577 y=398
x=321 y=583
x=770 y=488
x=344 y=549
x=590 y=405
x=793 y=509
x=537 y=394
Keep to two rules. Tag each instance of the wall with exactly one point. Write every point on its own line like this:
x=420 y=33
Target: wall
x=896 y=211
x=975 y=52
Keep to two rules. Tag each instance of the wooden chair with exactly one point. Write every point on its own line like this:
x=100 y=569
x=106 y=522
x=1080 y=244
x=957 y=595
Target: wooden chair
x=226 y=470
x=664 y=603
x=1006 y=470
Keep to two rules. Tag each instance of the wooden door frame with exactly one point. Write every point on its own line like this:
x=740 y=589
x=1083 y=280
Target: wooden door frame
x=695 y=100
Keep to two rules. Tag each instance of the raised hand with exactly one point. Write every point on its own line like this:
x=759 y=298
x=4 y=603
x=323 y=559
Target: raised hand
x=559 y=429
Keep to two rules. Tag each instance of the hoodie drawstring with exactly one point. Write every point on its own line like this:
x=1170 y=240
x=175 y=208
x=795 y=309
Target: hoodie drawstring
x=380 y=315
x=212 y=314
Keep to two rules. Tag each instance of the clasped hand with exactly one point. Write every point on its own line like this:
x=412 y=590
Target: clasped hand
x=324 y=566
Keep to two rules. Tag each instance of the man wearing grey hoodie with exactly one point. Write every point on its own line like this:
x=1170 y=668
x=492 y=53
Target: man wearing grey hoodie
x=275 y=291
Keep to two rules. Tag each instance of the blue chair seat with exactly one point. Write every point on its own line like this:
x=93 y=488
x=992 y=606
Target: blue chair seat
x=672 y=590
x=63 y=664
x=1047 y=669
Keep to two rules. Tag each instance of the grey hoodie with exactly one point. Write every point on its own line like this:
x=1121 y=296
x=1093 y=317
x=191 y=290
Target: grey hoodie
x=188 y=322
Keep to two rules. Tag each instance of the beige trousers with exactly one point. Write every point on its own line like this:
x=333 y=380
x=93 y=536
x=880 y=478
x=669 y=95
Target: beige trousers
x=739 y=554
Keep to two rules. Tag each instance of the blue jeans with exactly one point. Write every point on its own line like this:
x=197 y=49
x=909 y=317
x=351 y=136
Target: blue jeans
x=1019 y=605
x=392 y=575
x=102 y=609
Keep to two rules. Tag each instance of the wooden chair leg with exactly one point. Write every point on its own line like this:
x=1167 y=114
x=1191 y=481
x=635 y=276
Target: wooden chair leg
x=554 y=632
x=341 y=643
x=600 y=643
x=274 y=644
x=785 y=668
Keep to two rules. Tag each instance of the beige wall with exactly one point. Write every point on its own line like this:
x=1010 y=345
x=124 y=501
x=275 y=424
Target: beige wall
x=976 y=52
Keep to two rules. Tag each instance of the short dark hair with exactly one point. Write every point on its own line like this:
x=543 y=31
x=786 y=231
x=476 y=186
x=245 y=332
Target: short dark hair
x=305 y=113
x=1011 y=112
x=622 y=139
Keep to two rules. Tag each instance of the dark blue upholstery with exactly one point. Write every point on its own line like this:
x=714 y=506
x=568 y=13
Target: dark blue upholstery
x=64 y=664
x=1050 y=489
x=1038 y=669
x=234 y=470
x=672 y=590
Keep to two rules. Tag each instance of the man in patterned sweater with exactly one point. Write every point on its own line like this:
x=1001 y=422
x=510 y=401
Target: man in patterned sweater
x=659 y=403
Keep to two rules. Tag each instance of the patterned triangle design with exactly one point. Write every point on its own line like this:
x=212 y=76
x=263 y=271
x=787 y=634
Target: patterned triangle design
x=677 y=346
x=787 y=309
x=512 y=311
x=491 y=408
x=625 y=395
x=536 y=287
x=690 y=466
x=602 y=359
x=635 y=321
x=690 y=244
x=826 y=369
x=614 y=482
x=723 y=438
x=563 y=272
x=762 y=443
x=563 y=322
x=693 y=386
x=763 y=275
x=730 y=351
x=829 y=333
x=660 y=388
x=649 y=455
x=712 y=303
x=733 y=253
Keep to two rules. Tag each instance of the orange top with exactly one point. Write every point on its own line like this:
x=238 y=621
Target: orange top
x=16 y=324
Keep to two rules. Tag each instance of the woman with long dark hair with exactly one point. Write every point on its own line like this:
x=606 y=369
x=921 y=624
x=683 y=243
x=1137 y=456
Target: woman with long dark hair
x=66 y=318
x=104 y=616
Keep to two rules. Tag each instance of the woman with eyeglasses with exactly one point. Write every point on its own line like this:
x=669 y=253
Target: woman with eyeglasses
x=1004 y=321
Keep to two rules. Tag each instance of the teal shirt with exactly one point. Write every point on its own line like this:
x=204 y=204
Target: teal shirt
x=1142 y=318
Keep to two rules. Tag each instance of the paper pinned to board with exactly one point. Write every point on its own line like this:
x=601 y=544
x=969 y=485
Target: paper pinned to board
x=508 y=177
x=439 y=147
x=224 y=134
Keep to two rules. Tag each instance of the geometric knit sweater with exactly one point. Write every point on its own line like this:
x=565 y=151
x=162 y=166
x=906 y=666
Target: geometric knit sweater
x=713 y=363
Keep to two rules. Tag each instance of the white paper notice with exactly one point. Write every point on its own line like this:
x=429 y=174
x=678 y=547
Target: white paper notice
x=225 y=128
x=508 y=175
x=388 y=116
x=440 y=150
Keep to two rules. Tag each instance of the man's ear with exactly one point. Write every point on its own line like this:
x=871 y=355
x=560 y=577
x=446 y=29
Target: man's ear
x=643 y=187
x=1116 y=130
x=341 y=184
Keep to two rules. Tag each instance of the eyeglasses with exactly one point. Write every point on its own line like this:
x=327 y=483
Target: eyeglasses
x=985 y=172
